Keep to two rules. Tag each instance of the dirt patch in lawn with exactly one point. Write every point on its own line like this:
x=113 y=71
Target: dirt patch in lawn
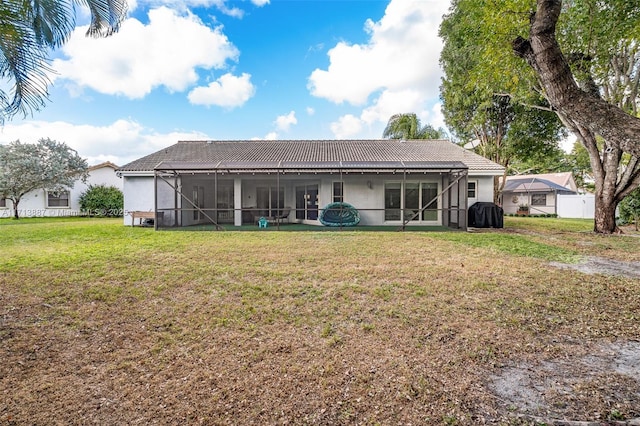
x=603 y=375
x=598 y=265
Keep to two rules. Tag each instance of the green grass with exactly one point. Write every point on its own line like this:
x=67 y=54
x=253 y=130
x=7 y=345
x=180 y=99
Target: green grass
x=325 y=326
x=549 y=224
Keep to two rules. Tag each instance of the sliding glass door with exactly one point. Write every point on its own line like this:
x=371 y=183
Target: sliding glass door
x=307 y=202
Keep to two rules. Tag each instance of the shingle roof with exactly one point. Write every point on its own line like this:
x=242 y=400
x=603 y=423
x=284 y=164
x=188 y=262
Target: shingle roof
x=314 y=151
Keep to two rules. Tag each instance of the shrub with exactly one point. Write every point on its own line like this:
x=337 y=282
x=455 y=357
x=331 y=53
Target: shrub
x=630 y=208
x=102 y=200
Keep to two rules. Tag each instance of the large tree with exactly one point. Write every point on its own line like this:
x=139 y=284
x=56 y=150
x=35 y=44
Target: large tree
x=408 y=126
x=28 y=31
x=479 y=110
x=48 y=165
x=593 y=88
x=591 y=83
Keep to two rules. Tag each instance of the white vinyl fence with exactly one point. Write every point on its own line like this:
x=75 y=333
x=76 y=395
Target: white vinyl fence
x=581 y=206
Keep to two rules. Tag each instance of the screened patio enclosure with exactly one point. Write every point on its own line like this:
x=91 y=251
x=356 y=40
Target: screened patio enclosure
x=230 y=194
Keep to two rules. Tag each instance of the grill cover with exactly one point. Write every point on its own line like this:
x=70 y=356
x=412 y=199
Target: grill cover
x=486 y=215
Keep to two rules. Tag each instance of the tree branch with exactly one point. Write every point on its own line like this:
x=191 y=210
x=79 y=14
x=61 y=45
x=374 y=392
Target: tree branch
x=544 y=55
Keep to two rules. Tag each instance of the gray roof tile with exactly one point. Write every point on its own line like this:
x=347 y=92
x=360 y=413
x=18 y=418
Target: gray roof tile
x=310 y=151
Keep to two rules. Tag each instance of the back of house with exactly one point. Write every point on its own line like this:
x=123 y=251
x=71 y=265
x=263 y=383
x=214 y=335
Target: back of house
x=235 y=183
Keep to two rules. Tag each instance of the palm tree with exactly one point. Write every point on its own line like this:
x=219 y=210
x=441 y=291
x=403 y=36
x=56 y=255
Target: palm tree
x=29 y=29
x=408 y=126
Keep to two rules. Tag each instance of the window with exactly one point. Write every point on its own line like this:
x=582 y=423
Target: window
x=392 y=200
x=405 y=202
x=538 y=199
x=471 y=189
x=58 y=199
x=338 y=195
x=3 y=203
x=429 y=194
x=198 y=202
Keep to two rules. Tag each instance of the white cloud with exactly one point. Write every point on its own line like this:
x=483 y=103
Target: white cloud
x=140 y=57
x=230 y=11
x=228 y=91
x=284 y=122
x=393 y=102
x=310 y=111
x=435 y=117
x=388 y=104
x=347 y=126
x=402 y=53
x=119 y=142
x=271 y=136
x=221 y=5
x=396 y=71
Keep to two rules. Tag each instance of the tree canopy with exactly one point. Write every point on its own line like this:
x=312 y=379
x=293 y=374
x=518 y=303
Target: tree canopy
x=408 y=126
x=48 y=165
x=515 y=133
x=581 y=62
x=30 y=29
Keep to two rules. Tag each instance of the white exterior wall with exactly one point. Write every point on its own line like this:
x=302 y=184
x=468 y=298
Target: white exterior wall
x=34 y=203
x=138 y=195
x=511 y=207
x=581 y=206
x=364 y=192
x=484 y=189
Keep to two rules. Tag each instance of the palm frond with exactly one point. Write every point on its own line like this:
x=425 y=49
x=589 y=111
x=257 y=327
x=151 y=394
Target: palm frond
x=106 y=16
x=28 y=30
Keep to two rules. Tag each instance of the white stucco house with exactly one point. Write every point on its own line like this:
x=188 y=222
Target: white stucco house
x=548 y=193
x=232 y=183
x=41 y=203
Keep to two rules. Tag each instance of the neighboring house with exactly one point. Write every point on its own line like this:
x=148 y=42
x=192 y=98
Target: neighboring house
x=540 y=193
x=390 y=182
x=41 y=203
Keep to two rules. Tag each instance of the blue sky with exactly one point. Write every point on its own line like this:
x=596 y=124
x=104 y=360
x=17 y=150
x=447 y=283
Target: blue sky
x=253 y=69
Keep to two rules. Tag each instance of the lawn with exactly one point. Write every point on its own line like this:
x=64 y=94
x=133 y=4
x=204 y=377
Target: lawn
x=106 y=324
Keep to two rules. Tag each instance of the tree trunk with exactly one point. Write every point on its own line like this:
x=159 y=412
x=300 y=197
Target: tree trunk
x=543 y=53
x=605 y=174
x=605 y=217
x=15 y=208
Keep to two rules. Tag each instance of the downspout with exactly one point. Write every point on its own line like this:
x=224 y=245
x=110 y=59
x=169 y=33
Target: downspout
x=341 y=194
x=155 y=200
x=465 y=196
x=215 y=195
x=175 y=203
x=402 y=200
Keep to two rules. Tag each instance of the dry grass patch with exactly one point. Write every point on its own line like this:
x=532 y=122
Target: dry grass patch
x=105 y=324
